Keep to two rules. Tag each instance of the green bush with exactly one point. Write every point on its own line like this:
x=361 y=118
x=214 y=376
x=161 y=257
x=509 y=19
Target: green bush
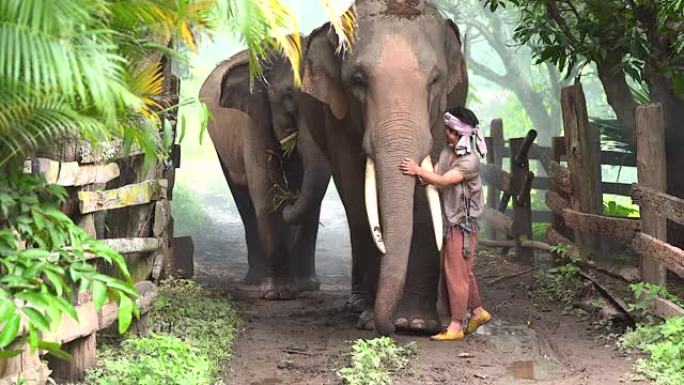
x=192 y=334
x=664 y=343
x=155 y=360
x=374 y=361
x=43 y=258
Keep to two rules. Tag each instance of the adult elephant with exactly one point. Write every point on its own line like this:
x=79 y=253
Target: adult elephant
x=249 y=126
x=368 y=108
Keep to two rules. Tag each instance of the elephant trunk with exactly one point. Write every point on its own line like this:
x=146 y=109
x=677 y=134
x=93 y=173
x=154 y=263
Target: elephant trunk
x=315 y=179
x=396 y=197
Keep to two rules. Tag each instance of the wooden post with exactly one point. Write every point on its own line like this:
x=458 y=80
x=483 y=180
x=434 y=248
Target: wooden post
x=494 y=157
x=583 y=149
x=557 y=151
x=522 y=210
x=651 y=172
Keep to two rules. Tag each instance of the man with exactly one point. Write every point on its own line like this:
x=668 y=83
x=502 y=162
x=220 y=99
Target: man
x=457 y=173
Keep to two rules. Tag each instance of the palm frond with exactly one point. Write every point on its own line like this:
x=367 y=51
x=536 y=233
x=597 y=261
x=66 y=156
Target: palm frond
x=43 y=51
x=29 y=121
x=343 y=23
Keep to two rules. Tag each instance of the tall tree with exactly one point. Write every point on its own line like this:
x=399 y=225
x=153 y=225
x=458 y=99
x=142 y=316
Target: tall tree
x=631 y=42
x=537 y=88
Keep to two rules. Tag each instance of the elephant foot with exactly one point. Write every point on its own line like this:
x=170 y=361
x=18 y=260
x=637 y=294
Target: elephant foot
x=274 y=289
x=366 y=320
x=417 y=315
x=252 y=278
x=308 y=284
x=357 y=302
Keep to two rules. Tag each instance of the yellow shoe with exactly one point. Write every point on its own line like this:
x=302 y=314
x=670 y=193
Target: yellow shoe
x=448 y=336
x=475 y=323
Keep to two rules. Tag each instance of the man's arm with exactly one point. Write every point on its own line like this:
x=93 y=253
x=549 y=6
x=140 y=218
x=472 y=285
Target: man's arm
x=451 y=177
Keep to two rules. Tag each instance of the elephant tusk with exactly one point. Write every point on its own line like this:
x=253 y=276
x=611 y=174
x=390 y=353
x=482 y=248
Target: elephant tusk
x=435 y=206
x=371 y=194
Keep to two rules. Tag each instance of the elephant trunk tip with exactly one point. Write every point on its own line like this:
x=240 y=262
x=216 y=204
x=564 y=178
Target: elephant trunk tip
x=292 y=215
x=385 y=303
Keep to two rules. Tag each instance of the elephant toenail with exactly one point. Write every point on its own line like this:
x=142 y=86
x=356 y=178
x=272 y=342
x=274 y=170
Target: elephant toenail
x=418 y=324
x=401 y=322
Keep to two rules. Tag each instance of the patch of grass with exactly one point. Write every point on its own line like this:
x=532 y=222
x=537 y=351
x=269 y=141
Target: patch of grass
x=561 y=284
x=375 y=361
x=664 y=344
x=192 y=334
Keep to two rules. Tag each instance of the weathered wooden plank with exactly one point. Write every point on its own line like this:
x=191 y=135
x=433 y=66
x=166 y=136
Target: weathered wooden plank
x=498 y=221
x=135 y=194
x=110 y=311
x=617 y=158
x=494 y=157
x=558 y=150
x=133 y=245
x=660 y=307
x=70 y=329
x=83 y=352
x=670 y=256
x=521 y=181
x=72 y=173
x=620 y=228
x=667 y=206
x=651 y=172
x=538 y=216
x=557 y=203
x=182 y=252
x=109 y=151
x=162 y=213
x=495 y=177
x=583 y=149
x=560 y=177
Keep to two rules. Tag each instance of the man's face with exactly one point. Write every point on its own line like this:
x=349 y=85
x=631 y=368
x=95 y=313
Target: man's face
x=452 y=137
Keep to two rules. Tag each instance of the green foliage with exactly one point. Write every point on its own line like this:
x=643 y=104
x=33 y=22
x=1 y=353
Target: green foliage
x=664 y=343
x=585 y=31
x=644 y=293
x=374 y=361
x=615 y=209
x=561 y=283
x=159 y=359
x=539 y=231
x=193 y=331
x=43 y=257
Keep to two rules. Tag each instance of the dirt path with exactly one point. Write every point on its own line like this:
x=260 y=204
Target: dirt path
x=303 y=341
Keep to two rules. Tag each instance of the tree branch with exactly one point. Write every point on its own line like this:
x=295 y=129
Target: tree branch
x=556 y=16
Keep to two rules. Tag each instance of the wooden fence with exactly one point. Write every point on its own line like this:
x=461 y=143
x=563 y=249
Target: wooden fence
x=115 y=198
x=498 y=151
x=574 y=194
x=575 y=199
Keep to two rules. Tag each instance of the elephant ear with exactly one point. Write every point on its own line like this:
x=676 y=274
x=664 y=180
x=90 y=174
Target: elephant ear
x=235 y=92
x=321 y=78
x=457 y=82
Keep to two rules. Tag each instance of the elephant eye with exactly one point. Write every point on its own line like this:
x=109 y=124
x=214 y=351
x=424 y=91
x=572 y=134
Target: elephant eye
x=434 y=79
x=358 y=78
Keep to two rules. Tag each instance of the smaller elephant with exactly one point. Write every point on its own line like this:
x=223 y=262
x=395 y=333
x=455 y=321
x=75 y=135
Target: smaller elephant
x=252 y=125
